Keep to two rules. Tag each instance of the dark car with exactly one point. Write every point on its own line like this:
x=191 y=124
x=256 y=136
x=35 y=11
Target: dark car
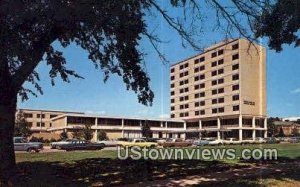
x=21 y=144
x=272 y=140
x=82 y=145
x=294 y=140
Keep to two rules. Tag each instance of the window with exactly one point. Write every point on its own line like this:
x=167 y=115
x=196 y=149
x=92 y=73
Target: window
x=53 y=116
x=214 y=82
x=213 y=64
x=200 y=77
x=183 y=90
x=172 y=115
x=236 y=108
x=186 y=65
x=197 y=113
x=39 y=124
x=221 y=110
x=235 y=97
x=50 y=124
x=181 y=66
x=172 y=92
x=39 y=115
x=172 y=70
x=186 y=114
x=197 y=70
x=202 y=103
x=196 y=61
x=186 y=97
x=235 y=87
x=221 y=90
x=221 y=100
x=236 y=56
x=202 y=112
x=214 y=110
x=197 y=87
x=172 y=108
x=214 y=101
x=197 y=104
x=220 y=71
x=172 y=100
x=214 y=54
x=172 y=78
x=221 y=81
x=213 y=73
x=202 y=94
x=181 y=114
x=183 y=74
x=235 y=66
x=235 y=46
x=202 y=85
x=28 y=115
x=197 y=95
x=172 y=85
x=220 y=52
x=202 y=68
x=235 y=77
x=202 y=59
x=184 y=82
x=214 y=92
x=220 y=62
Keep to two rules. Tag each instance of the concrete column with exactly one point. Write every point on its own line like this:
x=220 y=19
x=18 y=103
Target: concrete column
x=122 y=127
x=253 y=128
x=184 y=128
x=219 y=128
x=200 y=128
x=266 y=128
x=240 y=128
x=96 y=131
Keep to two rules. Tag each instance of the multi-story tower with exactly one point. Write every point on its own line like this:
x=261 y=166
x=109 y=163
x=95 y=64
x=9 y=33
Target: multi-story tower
x=222 y=90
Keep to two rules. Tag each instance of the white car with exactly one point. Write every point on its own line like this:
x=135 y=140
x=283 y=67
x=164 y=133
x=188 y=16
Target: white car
x=232 y=141
x=215 y=142
x=56 y=145
x=248 y=141
x=260 y=140
x=109 y=143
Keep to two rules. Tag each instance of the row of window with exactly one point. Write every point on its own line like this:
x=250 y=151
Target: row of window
x=214 y=54
x=202 y=103
x=213 y=73
x=202 y=94
x=219 y=62
x=202 y=112
x=30 y=115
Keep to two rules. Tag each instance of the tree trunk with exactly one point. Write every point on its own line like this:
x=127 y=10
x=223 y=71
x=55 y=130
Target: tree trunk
x=8 y=104
x=7 y=154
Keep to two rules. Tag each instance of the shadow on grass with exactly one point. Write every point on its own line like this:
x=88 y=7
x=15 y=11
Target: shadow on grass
x=108 y=172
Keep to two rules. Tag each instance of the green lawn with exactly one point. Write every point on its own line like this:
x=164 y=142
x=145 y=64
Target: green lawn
x=102 y=168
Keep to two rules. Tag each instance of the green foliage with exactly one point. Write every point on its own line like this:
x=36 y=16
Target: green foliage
x=272 y=130
x=146 y=131
x=77 y=134
x=281 y=133
x=280 y=23
x=63 y=135
x=87 y=132
x=102 y=135
x=22 y=127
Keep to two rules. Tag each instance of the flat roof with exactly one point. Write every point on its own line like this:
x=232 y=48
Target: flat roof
x=45 y=110
x=118 y=117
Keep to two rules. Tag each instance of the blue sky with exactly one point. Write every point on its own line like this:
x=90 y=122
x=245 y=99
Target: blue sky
x=92 y=95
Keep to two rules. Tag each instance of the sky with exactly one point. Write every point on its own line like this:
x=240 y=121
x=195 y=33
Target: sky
x=92 y=95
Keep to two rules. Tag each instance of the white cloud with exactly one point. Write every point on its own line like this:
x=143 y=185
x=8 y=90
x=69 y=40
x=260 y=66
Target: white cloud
x=164 y=116
x=296 y=91
x=95 y=112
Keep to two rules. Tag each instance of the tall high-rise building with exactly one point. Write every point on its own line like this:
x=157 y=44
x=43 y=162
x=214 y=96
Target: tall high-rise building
x=222 y=90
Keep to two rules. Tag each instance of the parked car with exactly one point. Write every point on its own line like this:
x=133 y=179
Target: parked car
x=137 y=143
x=248 y=141
x=201 y=142
x=215 y=142
x=294 y=140
x=272 y=140
x=56 y=145
x=175 y=143
x=232 y=141
x=81 y=145
x=260 y=140
x=109 y=143
x=22 y=144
